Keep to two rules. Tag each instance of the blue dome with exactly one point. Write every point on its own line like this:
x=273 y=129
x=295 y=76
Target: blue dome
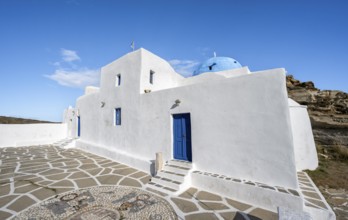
x=217 y=64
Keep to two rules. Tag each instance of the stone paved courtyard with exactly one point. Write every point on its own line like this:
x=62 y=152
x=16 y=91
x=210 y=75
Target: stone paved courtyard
x=32 y=177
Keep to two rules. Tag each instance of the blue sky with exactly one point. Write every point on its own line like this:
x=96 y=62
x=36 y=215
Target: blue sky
x=51 y=49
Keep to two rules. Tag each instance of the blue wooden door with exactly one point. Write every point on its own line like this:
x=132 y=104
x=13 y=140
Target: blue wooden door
x=78 y=126
x=182 y=137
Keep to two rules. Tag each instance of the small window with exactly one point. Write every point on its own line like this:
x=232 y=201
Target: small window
x=118 y=80
x=117 y=116
x=152 y=73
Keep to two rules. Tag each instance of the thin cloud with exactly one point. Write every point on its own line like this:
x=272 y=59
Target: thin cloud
x=69 y=55
x=184 y=67
x=76 y=78
x=69 y=74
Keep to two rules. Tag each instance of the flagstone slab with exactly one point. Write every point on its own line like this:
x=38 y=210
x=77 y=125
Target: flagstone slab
x=264 y=214
x=88 y=166
x=65 y=183
x=7 y=170
x=105 y=171
x=7 y=199
x=94 y=172
x=238 y=205
x=58 y=176
x=5 y=215
x=145 y=179
x=87 y=161
x=51 y=172
x=44 y=193
x=27 y=188
x=125 y=171
x=5 y=189
x=87 y=182
x=228 y=215
x=109 y=179
x=21 y=203
x=130 y=182
x=35 y=179
x=184 y=205
x=188 y=194
x=78 y=175
x=212 y=205
x=45 y=183
x=203 y=195
x=6 y=176
x=23 y=177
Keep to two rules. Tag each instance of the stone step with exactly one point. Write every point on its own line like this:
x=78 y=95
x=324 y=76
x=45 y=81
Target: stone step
x=171 y=175
x=180 y=163
x=176 y=169
x=170 y=179
x=161 y=188
x=166 y=182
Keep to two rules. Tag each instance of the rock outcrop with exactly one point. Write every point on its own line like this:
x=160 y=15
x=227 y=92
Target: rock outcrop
x=328 y=110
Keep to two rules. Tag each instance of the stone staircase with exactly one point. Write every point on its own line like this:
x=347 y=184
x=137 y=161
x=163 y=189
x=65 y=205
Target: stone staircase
x=173 y=178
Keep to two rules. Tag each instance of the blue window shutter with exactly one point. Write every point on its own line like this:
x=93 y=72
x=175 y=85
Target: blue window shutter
x=118 y=116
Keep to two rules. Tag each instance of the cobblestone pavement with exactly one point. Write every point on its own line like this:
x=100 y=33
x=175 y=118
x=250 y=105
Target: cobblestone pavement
x=338 y=198
x=35 y=176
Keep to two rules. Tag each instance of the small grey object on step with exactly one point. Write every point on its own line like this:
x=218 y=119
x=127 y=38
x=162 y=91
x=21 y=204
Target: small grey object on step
x=159 y=162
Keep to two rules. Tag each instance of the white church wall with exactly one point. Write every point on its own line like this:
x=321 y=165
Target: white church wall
x=69 y=118
x=304 y=146
x=128 y=68
x=124 y=96
x=253 y=109
x=164 y=76
x=89 y=110
x=31 y=134
x=240 y=125
x=98 y=123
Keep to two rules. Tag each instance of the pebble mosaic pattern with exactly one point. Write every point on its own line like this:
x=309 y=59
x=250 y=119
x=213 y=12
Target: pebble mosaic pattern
x=108 y=202
x=35 y=175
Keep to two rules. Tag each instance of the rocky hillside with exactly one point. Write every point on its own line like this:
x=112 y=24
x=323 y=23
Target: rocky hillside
x=328 y=110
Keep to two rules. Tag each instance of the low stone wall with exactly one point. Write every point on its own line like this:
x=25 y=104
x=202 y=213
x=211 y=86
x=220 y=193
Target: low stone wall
x=12 y=135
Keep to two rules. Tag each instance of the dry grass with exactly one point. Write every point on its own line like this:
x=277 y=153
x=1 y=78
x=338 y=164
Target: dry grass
x=332 y=171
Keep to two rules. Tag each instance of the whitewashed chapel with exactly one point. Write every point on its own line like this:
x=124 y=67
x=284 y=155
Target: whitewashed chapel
x=225 y=129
